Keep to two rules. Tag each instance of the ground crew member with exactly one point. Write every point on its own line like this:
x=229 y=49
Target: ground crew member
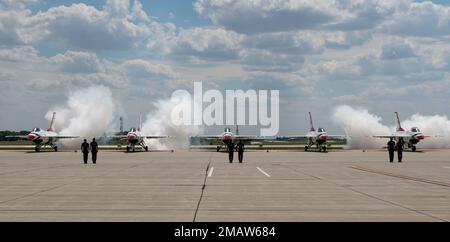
x=400 y=144
x=240 y=149
x=94 y=150
x=230 y=148
x=391 y=148
x=85 y=150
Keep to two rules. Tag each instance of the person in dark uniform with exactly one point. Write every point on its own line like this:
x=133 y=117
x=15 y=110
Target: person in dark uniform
x=230 y=149
x=94 y=150
x=400 y=144
x=85 y=150
x=391 y=149
x=240 y=149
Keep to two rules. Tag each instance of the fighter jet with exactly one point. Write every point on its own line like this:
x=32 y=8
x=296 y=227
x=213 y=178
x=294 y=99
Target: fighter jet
x=315 y=137
x=42 y=138
x=136 y=137
x=411 y=137
x=228 y=137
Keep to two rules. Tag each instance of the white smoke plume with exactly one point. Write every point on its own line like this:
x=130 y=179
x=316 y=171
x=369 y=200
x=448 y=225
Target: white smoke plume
x=160 y=122
x=87 y=113
x=360 y=126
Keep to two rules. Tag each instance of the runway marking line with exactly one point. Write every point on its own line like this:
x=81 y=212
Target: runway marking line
x=211 y=172
x=203 y=188
x=263 y=172
x=444 y=184
x=447 y=167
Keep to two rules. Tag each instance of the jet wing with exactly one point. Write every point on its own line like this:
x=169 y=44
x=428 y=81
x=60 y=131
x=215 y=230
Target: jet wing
x=248 y=137
x=124 y=137
x=18 y=136
x=119 y=137
x=337 y=136
x=155 y=136
x=391 y=136
x=62 y=137
x=294 y=137
x=235 y=137
x=210 y=137
x=47 y=136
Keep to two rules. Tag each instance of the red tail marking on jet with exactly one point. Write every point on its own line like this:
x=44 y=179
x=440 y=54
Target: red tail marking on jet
x=52 y=123
x=311 y=122
x=399 y=127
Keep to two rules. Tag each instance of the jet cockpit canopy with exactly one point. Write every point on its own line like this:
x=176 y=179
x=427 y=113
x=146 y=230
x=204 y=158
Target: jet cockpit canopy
x=415 y=129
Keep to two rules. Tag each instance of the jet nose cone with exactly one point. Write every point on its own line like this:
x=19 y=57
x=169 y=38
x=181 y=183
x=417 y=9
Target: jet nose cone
x=323 y=137
x=32 y=137
x=227 y=137
x=131 y=137
x=420 y=137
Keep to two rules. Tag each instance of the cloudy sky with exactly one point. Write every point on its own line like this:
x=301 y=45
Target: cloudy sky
x=383 y=55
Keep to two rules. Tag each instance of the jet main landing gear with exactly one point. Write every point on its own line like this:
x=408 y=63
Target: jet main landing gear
x=320 y=148
x=38 y=148
x=144 y=147
x=132 y=148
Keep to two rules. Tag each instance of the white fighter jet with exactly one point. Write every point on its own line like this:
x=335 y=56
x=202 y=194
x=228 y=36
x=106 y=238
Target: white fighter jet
x=410 y=137
x=42 y=138
x=228 y=137
x=315 y=137
x=136 y=137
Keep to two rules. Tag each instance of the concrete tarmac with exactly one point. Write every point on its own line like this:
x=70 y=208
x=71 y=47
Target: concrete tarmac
x=268 y=186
